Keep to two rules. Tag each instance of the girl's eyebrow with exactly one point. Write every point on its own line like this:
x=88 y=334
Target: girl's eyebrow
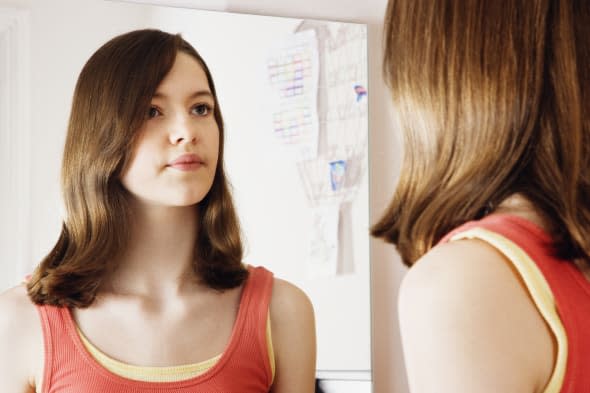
x=196 y=94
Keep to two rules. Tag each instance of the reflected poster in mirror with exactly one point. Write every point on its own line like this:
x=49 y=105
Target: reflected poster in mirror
x=294 y=98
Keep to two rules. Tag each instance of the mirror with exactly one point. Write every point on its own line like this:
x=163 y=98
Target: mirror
x=294 y=98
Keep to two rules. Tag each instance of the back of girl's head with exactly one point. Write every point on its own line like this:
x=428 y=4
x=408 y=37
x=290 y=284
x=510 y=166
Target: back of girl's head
x=492 y=99
x=110 y=103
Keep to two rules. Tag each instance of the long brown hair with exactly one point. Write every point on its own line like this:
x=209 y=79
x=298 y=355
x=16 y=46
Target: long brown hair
x=492 y=99
x=110 y=102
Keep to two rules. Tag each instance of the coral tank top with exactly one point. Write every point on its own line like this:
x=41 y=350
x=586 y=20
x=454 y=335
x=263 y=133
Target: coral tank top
x=559 y=289
x=243 y=367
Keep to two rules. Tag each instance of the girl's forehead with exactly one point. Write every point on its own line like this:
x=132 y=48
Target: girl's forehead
x=186 y=74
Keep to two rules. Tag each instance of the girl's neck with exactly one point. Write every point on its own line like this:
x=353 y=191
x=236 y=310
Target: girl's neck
x=520 y=206
x=159 y=257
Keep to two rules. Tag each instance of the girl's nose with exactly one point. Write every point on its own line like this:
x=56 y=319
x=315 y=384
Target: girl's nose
x=177 y=140
x=182 y=132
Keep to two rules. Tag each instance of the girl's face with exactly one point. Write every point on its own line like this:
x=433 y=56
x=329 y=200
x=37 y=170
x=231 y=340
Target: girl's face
x=174 y=159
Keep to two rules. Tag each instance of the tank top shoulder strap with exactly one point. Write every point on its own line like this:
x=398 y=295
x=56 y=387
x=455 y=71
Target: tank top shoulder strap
x=526 y=247
x=258 y=287
x=258 y=293
x=251 y=346
x=57 y=342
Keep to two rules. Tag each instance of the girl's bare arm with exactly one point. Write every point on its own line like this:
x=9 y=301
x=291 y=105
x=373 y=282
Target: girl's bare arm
x=293 y=337
x=468 y=324
x=21 y=343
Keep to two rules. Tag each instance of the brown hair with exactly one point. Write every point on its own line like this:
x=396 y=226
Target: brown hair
x=111 y=99
x=492 y=98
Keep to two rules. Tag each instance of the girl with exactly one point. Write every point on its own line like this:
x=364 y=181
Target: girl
x=493 y=204
x=145 y=290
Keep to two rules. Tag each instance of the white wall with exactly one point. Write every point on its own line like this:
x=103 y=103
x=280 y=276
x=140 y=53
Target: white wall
x=14 y=146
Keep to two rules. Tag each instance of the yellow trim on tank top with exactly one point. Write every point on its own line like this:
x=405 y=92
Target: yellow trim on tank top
x=539 y=291
x=271 y=351
x=164 y=374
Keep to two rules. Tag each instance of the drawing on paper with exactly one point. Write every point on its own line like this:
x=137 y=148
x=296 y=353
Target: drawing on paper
x=319 y=75
x=293 y=71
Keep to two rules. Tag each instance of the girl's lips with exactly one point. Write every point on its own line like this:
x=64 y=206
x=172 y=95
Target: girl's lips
x=186 y=162
x=188 y=166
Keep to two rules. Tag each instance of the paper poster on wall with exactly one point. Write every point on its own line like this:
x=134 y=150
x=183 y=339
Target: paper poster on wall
x=325 y=114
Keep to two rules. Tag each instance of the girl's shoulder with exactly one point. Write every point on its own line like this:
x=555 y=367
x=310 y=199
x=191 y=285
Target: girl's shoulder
x=289 y=308
x=293 y=337
x=17 y=312
x=21 y=340
x=286 y=298
x=467 y=317
x=289 y=297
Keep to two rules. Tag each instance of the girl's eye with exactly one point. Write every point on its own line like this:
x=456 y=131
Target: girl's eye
x=153 y=112
x=201 y=109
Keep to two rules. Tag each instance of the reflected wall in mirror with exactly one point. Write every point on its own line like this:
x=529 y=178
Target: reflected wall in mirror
x=294 y=99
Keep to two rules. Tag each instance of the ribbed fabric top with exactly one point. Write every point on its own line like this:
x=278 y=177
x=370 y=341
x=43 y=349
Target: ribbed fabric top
x=244 y=366
x=558 y=288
